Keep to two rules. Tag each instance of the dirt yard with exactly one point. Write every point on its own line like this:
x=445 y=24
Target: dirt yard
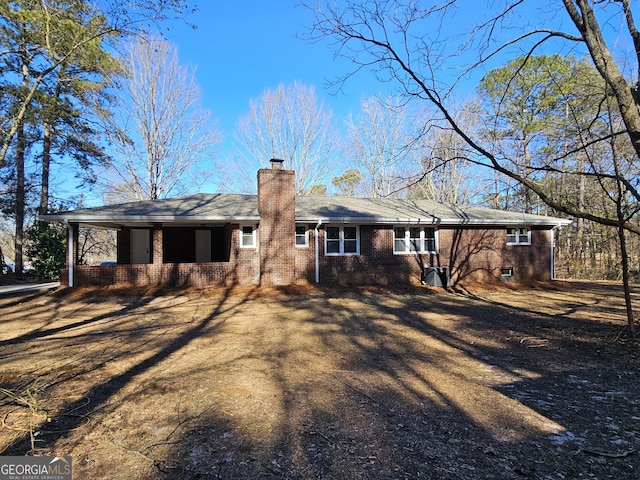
x=530 y=383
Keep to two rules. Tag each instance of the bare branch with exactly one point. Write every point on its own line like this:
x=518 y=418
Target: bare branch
x=160 y=135
x=289 y=123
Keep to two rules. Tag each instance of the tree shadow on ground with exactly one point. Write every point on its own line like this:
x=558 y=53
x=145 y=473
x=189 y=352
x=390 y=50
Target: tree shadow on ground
x=73 y=414
x=337 y=384
x=428 y=387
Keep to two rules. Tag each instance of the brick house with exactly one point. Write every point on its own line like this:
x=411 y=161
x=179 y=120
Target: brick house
x=278 y=238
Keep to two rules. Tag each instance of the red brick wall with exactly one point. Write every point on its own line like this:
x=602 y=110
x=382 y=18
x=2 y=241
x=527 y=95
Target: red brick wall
x=156 y=244
x=305 y=258
x=171 y=274
x=276 y=234
x=472 y=255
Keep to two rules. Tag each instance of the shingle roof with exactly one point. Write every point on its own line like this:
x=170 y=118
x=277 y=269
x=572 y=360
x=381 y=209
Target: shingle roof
x=197 y=208
x=391 y=210
x=202 y=207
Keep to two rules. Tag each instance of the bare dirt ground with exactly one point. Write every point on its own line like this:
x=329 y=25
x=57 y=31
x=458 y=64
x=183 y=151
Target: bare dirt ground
x=536 y=382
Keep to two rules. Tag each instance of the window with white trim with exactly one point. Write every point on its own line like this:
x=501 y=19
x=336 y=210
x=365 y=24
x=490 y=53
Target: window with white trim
x=506 y=272
x=302 y=236
x=519 y=236
x=248 y=236
x=342 y=240
x=414 y=239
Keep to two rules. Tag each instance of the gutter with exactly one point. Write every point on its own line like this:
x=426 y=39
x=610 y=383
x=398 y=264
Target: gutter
x=147 y=219
x=545 y=222
x=553 y=246
x=361 y=220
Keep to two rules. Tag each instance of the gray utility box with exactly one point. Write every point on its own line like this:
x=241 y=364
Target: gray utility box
x=436 y=276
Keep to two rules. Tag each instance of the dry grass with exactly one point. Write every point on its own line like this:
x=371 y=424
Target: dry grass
x=525 y=382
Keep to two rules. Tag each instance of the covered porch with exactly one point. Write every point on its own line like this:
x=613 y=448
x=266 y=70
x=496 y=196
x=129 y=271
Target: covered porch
x=175 y=255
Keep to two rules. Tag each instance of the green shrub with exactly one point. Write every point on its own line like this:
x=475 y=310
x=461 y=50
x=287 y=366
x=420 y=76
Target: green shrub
x=45 y=246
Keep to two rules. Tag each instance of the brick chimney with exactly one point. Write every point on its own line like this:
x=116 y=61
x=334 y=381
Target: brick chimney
x=277 y=230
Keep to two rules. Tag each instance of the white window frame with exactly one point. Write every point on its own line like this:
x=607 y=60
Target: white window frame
x=254 y=236
x=518 y=236
x=341 y=240
x=407 y=241
x=305 y=236
x=506 y=272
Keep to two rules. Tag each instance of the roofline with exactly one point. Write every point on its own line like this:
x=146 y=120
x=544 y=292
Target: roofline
x=556 y=222
x=144 y=219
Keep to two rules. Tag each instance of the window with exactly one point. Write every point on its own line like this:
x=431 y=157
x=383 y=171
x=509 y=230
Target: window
x=302 y=239
x=518 y=236
x=414 y=240
x=247 y=236
x=506 y=272
x=342 y=240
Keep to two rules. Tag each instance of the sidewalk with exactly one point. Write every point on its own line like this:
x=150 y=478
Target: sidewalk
x=28 y=287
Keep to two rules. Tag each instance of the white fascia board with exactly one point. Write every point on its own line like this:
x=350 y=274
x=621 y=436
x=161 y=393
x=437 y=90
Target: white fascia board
x=556 y=222
x=144 y=219
x=168 y=219
x=368 y=220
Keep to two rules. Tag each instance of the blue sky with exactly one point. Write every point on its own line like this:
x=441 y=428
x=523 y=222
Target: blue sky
x=241 y=49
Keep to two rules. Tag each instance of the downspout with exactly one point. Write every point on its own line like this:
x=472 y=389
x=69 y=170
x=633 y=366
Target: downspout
x=553 y=251
x=70 y=249
x=553 y=254
x=317 y=229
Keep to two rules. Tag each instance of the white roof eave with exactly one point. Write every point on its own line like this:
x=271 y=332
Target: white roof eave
x=435 y=221
x=168 y=219
x=147 y=219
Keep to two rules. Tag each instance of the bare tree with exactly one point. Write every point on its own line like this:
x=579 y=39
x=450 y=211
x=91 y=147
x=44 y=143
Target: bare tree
x=289 y=123
x=444 y=173
x=159 y=134
x=380 y=145
x=418 y=46
x=406 y=43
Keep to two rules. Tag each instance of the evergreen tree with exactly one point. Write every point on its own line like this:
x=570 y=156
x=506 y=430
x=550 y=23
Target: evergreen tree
x=54 y=65
x=46 y=247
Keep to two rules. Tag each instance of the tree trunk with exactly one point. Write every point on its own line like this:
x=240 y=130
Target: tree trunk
x=584 y=18
x=21 y=146
x=46 y=162
x=626 y=281
x=20 y=199
x=526 y=191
